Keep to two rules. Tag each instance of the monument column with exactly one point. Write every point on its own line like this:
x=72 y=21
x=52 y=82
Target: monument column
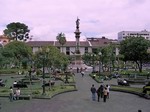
x=77 y=36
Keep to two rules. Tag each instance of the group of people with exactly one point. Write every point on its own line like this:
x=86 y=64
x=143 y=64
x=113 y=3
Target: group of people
x=102 y=92
x=14 y=94
x=81 y=70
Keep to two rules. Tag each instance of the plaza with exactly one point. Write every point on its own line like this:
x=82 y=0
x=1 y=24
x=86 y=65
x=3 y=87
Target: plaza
x=79 y=101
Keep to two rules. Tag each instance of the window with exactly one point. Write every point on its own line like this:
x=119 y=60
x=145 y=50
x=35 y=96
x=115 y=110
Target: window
x=67 y=50
x=86 y=49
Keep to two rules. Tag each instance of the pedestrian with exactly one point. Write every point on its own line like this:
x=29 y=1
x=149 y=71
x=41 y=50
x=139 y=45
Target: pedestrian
x=105 y=94
x=11 y=94
x=17 y=93
x=102 y=91
x=81 y=69
x=82 y=73
x=14 y=96
x=93 y=91
x=99 y=92
x=108 y=90
x=77 y=70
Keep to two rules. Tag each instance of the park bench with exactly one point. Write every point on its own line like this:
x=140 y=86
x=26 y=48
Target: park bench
x=20 y=85
x=25 y=97
x=123 y=83
x=52 y=84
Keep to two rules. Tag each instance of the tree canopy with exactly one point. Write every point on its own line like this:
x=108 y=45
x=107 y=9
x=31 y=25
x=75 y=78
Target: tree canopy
x=135 y=49
x=52 y=57
x=17 y=31
x=61 y=38
x=17 y=49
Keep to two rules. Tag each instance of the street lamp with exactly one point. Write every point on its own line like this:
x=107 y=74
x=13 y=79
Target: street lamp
x=99 y=63
x=43 y=61
x=30 y=78
x=93 y=62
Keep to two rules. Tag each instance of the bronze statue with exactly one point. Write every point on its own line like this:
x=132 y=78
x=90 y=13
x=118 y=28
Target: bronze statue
x=77 y=23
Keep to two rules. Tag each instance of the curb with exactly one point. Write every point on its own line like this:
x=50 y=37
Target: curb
x=75 y=89
x=55 y=94
x=132 y=92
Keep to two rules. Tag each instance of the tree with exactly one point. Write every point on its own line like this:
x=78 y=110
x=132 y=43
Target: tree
x=61 y=38
x=53 y=57
x=17 y=31
x=17 y=50
x=135 y=49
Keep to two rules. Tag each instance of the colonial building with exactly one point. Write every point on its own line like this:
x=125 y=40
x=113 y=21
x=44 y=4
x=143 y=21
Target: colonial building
x=88 y=46
x=4 y=40
x=124 y=34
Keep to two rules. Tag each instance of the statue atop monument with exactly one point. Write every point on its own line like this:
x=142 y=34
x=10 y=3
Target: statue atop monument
x=77 y=23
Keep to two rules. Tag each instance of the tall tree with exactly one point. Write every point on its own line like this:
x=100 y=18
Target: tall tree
x=52 y=56
x=17 y=31
x=17 y=50
x=62 y=39
x=135 y=49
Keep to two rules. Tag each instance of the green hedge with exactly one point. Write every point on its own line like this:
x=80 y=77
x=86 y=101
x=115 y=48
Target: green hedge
x=131 y=72
x=97 y=78
x=8 y=71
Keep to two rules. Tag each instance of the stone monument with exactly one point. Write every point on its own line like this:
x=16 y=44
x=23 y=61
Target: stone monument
x=77 y=56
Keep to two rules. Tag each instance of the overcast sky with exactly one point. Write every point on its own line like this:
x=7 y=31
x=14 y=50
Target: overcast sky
x=47 y=18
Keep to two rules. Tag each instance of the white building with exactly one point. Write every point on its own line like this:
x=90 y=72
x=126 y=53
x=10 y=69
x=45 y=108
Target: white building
x=124 y=34
x=88 y=46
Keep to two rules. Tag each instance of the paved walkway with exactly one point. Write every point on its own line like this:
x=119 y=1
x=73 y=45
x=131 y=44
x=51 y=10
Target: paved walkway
x=80 y=101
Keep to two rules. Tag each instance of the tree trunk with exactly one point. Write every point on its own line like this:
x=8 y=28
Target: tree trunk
x=139 y=66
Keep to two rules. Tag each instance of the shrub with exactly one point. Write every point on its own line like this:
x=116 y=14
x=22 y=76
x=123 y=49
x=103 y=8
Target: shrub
x=8 y=71
x=36 y=92
x=3 y=91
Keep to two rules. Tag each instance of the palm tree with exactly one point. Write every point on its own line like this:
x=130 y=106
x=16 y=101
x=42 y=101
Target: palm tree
x=62 y=39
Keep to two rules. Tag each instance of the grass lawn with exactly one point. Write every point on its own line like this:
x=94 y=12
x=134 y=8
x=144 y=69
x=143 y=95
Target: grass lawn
x=97 y=78
x=36 y=88
x=132 y=89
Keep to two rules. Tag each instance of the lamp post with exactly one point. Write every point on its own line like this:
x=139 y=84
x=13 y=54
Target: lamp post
x=30 y=71
x=93 y=62
x=99 y=63
x=30 y=75
x=43 y=61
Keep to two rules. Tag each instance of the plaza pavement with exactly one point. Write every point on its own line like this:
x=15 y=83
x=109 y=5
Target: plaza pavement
x=80 y=101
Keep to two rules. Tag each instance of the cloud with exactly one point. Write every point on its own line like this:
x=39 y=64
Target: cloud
x=47 y=18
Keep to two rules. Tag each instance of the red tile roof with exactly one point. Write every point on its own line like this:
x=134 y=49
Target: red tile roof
x=3 y=37
x=94 y=42
x=99 y=42
x=40 y=43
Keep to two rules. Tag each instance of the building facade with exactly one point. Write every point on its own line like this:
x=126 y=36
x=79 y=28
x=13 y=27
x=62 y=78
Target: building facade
x=124 y=34
x=4 y=40
x=69 y=48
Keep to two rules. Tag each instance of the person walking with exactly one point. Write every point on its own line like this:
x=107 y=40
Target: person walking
x=102 y=91
x=11 y=94
x=17 y=93
x=93 y=91
x=99 y=92
x=77 y=70
x=82 y=73
x=108 y=87
x=105 y=94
